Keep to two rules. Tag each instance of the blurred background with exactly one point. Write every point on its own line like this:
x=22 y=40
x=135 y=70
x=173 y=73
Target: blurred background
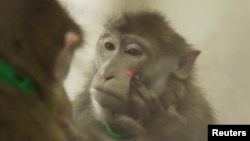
x=219 y=28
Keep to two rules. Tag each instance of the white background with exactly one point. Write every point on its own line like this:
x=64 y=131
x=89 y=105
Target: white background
x=219 y=28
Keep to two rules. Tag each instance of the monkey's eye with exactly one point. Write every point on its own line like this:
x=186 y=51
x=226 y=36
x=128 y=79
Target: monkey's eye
x=134 y=52
x=109 y=46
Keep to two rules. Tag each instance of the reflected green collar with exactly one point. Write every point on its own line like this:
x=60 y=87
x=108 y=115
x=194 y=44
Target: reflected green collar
x=114 y=134
x=12 y=76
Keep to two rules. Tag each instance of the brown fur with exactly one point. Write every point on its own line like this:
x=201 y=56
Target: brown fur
x=32 y=37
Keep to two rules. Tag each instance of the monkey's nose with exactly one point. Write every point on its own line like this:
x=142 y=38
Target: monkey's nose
x=106 y=76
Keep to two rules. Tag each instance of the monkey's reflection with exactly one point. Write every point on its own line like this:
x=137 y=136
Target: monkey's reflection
x=159 y=99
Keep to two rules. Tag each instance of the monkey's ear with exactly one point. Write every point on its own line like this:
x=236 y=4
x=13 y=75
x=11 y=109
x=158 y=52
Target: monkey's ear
x=61 y=68
x=185 y=64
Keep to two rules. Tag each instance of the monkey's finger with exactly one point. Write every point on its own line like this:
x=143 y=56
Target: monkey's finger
x=129 y=124
x=173 y=112
x=141 y=107
x=132 y=84
x=151 y=100
x=146 y=95
x=147 y=83
x=144 y=91
x=137 y=80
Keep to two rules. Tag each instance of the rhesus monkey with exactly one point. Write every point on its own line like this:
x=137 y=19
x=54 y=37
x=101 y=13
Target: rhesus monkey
x=143 y=86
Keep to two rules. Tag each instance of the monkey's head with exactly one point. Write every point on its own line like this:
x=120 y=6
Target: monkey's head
x=37 y=39
x=139 y=43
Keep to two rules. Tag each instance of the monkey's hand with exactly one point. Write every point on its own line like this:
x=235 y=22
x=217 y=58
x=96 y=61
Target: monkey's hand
x=153 y=117
x=150 y=118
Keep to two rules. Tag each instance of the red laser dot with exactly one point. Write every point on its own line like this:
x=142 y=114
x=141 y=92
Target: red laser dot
x=129 y=72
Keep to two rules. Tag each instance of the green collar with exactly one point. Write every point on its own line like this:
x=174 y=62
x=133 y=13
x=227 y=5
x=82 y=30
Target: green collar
x=12 y=76
x=114 y=134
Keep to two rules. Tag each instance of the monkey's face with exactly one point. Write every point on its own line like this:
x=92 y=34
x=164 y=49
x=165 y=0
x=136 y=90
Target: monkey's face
x=119 y=57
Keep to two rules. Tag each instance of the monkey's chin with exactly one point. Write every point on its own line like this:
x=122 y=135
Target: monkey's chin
x=107 y=100
x=106 y=105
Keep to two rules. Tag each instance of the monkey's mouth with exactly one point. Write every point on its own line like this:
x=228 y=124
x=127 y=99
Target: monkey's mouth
x=107 y=92
x=106 y=98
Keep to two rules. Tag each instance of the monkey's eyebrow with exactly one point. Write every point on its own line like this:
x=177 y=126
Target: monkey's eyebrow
x=104 y=35
x=137 y=40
